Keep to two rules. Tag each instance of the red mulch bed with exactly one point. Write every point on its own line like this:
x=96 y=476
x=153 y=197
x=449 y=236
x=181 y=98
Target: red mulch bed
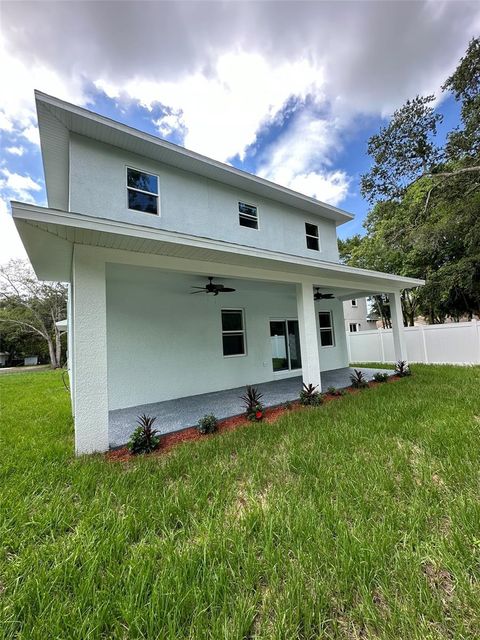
x=171 y=440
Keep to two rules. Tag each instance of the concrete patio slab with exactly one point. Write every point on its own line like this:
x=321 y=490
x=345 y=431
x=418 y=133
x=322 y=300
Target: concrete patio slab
x=174 y=415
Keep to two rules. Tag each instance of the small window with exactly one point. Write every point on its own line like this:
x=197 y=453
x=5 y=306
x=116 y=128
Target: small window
x=248 y=215
x=311 y=232
x=353 y=327
x=327 y=337
x=233 y=332
x=354 y=303
x=142 y=191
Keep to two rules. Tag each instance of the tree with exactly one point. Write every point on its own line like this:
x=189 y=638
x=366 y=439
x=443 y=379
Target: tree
x=426 y=198
x=33 y=307
x=403 y=150
x=406 y=151
x=464 y=143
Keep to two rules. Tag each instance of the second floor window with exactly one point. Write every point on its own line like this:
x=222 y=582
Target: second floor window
x=354 y=303
x=247 y=215
x=311 y=234
x=142 y=191
x=354 y=327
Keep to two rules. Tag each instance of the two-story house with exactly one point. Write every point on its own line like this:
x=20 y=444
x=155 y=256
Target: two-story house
x=187 y=276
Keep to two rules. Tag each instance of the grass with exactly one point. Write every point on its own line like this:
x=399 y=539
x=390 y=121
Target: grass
x=357 y=519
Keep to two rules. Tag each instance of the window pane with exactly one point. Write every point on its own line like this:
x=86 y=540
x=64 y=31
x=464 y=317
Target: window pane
x=278 y=338
x=143 y=181
x=142 y=202
x=312 y=243
x=324 y=318
x=248 y=209
x=232 y=321
x=294 y=344
x=326 y=337
x=233 y=344
x=248 y=222
x=311 y=229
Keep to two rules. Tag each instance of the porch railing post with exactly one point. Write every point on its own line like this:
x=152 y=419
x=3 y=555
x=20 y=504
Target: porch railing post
x=307 y=324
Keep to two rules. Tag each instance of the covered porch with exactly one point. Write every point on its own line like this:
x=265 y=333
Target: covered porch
x=180 y=413
x=137 y=337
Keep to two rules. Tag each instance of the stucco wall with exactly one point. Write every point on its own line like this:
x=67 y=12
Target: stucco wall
x=357 y=314
x=188 y=203
x=164 y=343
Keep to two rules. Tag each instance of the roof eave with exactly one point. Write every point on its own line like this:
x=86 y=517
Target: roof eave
x=59 y=256
x=63 y=120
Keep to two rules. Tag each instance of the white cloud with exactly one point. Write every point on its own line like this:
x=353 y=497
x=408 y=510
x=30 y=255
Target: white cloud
x=300 y=159
x=21 y=77
x=15 y=151
x=222 y=112
x=10 y=244
x=18 y=187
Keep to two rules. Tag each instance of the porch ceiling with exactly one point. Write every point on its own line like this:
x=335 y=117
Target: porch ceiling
x=49 y=236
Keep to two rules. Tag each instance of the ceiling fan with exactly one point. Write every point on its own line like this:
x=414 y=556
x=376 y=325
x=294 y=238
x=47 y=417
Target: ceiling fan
x=213 y=288
x=322 y=296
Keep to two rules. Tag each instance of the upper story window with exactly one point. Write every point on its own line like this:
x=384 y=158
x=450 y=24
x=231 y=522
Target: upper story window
x=327 y=336
x=311 y=234
x=354 y=303
x=142 y=191
x=354 y=327
x=247 y=215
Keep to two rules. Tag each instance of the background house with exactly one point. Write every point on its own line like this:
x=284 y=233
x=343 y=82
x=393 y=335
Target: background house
x=356 y=316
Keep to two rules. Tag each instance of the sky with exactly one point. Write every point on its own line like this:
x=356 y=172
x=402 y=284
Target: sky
x=290 y=91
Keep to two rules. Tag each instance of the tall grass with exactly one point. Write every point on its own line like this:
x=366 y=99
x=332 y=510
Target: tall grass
x=357 y=519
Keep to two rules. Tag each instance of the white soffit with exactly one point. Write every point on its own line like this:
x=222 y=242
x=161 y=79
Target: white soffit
x=49 y=235
x=57 y=118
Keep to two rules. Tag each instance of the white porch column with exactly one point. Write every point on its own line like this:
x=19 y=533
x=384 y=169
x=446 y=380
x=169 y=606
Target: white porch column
x=89 y=351
x=307 y=324
x=399 y=344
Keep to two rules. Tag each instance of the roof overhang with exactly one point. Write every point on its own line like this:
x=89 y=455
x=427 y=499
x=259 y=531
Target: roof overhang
x=56 y=119
x=49 y=236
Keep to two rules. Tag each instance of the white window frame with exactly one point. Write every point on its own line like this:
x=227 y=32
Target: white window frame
x=330 y=328
x=354 y=324
x=314 y=237
x=248 y=216
x=243 y=332
x=289 y=370
x=354 y=302
x=148 y=193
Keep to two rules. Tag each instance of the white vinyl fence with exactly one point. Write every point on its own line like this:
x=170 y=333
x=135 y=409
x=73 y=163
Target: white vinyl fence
x=453 y=343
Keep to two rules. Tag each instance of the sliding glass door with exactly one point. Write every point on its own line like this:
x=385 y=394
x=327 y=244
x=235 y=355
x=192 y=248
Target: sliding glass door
x=285 y=341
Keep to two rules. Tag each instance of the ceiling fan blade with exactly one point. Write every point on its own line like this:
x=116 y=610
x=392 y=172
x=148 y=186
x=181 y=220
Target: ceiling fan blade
x=225 y=290
x=201 y=291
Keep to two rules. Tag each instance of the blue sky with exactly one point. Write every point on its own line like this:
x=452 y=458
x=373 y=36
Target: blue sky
x=296 y=110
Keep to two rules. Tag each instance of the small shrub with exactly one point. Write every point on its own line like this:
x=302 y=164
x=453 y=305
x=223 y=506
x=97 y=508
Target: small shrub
x=358 y=380
x=402 y=369
x=145 y=438
x=309 y=396
x=288 y=405
x=380 y=377
x=207 y=424
x=254 y=409
x=333 y=391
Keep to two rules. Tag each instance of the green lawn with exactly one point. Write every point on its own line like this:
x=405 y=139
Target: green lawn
x=357 y=519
